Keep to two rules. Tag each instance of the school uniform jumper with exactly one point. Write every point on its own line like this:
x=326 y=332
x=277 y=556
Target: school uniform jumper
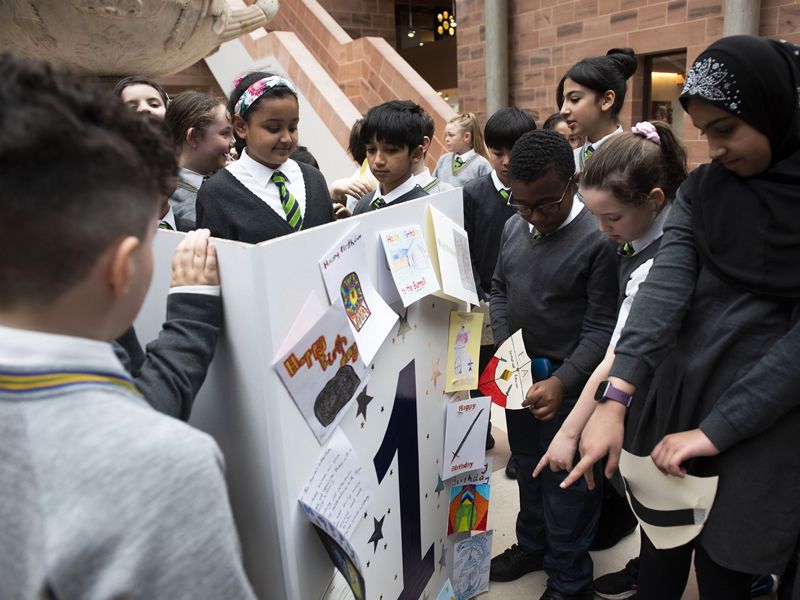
x=234 y=212
x=561 y=290
x=184 y=199
x=103 y=497
x=474 y=166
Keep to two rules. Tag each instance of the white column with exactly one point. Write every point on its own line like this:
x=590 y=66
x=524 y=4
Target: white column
x=741 y=17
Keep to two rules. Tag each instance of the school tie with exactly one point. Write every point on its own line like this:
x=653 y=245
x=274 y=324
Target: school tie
x=504 y=193
x=627 y=249
x=587 y=153
x=165 y=225
x=289 y=203
x=458 y=162
x=378 y=202
x=537 y=235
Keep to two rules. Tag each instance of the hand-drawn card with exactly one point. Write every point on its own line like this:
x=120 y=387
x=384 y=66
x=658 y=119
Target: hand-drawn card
x=451 y=260
x=469 y=507
x=463 y=351
x=336 y=493
x=344 y=270
x=410 y=265
x=447 y=592
x=507 y=377
x=465 y=436
x=323 y=371
x=471 y=561
x=385 y=281
x=345 y=561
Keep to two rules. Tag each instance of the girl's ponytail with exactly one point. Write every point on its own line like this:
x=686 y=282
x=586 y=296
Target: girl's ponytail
x=469 y=122
x=673 y=155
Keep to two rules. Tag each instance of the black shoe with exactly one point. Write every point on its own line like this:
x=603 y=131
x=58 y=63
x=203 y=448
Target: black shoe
x=551 y=594
x=511 y=469
x=514 y=563
x=619 y=585
x=489 y=440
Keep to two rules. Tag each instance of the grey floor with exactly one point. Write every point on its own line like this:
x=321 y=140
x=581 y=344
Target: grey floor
x=504 y=504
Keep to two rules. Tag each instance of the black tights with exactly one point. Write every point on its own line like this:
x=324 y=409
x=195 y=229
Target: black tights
x=663 y=574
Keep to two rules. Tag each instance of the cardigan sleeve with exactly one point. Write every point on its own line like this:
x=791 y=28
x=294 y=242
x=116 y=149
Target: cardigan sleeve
x=211 y=209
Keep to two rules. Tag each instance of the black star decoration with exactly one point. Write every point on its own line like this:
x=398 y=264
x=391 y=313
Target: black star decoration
x=439 y=486
x=363 y=399
x=377 y=534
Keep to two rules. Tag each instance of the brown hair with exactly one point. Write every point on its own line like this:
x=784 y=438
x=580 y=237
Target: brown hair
x=469 y=122
x=190 y=110
x=630 y=166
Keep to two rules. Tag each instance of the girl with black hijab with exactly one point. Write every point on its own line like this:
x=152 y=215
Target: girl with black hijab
x=717 y=327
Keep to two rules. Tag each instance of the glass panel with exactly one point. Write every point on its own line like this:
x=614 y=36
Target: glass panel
x=664 y=80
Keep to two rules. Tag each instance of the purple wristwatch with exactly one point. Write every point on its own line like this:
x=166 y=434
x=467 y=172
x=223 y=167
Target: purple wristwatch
x=606 y=391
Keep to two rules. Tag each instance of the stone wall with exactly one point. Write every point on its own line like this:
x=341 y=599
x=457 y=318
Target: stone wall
x=363 y=18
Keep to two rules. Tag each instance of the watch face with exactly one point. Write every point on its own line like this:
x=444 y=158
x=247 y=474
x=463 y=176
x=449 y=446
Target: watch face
x=600 y=394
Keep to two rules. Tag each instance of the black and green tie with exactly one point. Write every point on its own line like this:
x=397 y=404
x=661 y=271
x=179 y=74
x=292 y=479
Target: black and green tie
x=587 y=153
x=378 y=202
x=537 y=235
x=627 y=249
x=165 y=225
x=504 y=193
x=289 y=203
x=458 y=162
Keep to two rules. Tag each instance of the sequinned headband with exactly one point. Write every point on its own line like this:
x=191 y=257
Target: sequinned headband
x=258 y=89
x=648 y=131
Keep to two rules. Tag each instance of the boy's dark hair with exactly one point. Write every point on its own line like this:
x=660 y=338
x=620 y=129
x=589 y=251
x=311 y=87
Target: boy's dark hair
x=430 y=126
x=553 y=120
x=302 y=154
x=603 y=73
x=140 y=80
x=190 y=110
x=240 y=88
x=354 y=146
x=74 y=178
x=538 y=153
x=398 y=122
x=506 y=126
x=632 y=166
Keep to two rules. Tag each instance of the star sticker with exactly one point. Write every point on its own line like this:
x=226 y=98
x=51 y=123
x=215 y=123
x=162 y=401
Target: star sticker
x=377 y=534
x=436 y=372
x=439 y=485
x=443 y=559
x=404 y=327
x=363 y=399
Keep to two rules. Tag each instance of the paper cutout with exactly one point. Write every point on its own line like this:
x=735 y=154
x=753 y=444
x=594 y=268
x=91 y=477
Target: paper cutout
x=463 y=351
x=507 y=377
x=346 y=276
x=671 y=510
x=471 y=565
x=465 y=436
x=410 y=266
x=448 y=246
x=323 y=371
x=447 y=592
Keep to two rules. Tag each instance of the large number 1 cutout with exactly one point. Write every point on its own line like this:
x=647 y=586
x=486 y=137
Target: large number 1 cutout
x=401 y=437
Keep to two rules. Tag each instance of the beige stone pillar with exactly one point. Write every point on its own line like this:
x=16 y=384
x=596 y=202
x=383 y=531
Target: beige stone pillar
x=496 y=55
x=741 y=17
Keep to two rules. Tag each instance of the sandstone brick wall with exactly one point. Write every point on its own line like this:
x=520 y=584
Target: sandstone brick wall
x=546 y=37
x=363 y=18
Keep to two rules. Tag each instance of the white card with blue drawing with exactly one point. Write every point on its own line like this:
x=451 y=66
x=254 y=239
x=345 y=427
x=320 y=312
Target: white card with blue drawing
x=346 y=275
x=465 y=436
x=448 y=245
x=471 y=562
x=322 y=370
x=410 y=265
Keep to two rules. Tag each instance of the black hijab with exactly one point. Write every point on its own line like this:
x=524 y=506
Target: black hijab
x=747 y=230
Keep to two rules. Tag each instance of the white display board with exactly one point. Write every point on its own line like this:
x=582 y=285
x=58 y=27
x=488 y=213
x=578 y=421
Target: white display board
x=270 y=450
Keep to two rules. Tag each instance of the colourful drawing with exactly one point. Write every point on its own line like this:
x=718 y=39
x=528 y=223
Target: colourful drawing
x=507 y=377
x=410 y=266
x=355 y=305
x=471 y=565
x=469 y=508
x=463 y=351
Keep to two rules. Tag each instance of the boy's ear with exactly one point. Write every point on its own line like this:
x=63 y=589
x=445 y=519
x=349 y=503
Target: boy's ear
x=121 y=264
x=416 y=154
x=240 y=126
x=607 y=100
x=426 y=144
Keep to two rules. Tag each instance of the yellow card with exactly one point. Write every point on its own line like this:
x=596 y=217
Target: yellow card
x=463 y=351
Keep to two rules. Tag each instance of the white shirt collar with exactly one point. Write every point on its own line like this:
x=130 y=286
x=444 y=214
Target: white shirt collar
x=400 y=190
x=602 y=140
x=498 y=185
x=423 y=178
x=24 y=349
x=191 y=177
x=169 y=218
x=577 y=207
x=467 y=155
x=655 y=231
x=263 y=174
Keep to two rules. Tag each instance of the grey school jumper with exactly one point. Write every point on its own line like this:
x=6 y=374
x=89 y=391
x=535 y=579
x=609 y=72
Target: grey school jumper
x=103 y=497
x=474 y=167
x=561 y=290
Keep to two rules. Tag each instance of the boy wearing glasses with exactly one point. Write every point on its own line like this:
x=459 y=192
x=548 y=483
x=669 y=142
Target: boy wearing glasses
x=555 y=279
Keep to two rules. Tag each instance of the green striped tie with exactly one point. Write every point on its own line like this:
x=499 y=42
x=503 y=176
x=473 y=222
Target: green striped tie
x=458 y=162
x=627 y=249
x=290 y=205
x=504 y=194
x=378 y=202
x=537 y=235
x=587 y=153
x=165 y=225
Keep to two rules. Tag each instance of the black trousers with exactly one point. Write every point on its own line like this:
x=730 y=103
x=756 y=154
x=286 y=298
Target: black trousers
x=663 y=574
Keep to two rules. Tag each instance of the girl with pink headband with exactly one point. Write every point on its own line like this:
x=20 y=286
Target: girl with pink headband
x=265 y=194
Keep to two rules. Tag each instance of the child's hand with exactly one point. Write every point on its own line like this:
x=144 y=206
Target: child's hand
x=194 y=261
x=544 y=398
x=341 y=211
x=677 y=448
x=560 y=453
x=349 y=186
x=602 y=436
